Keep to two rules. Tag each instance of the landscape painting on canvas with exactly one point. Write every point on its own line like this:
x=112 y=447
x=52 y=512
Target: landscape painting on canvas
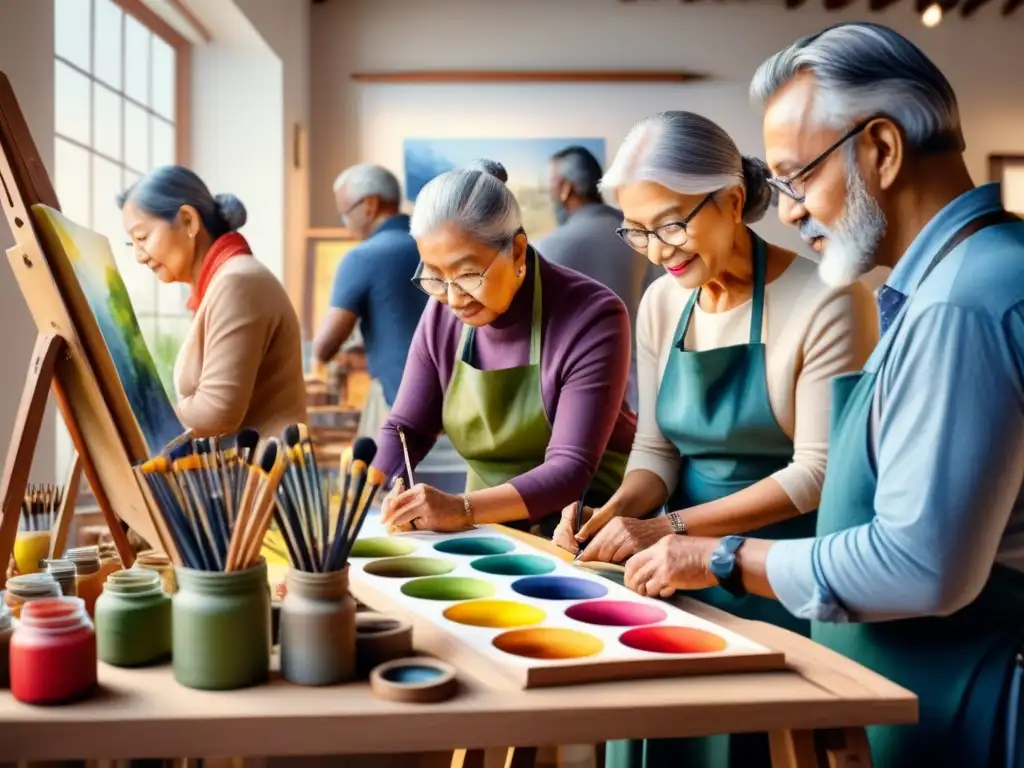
x=525 y=160
x=93 y=263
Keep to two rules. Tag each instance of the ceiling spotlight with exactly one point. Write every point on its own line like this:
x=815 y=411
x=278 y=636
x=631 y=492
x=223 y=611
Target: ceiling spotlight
x=932 y=15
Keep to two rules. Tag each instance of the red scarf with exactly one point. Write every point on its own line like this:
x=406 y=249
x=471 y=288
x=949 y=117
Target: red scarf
x=224 y=247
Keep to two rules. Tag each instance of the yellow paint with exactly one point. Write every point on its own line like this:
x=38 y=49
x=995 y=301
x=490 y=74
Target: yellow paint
x=29 y=548
x=548 y=643
x=494 y=614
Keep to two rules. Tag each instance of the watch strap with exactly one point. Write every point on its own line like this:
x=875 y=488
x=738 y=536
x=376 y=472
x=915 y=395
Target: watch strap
x=723 y=565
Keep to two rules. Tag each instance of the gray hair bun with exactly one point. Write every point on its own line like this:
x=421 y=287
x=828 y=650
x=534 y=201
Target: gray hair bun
x=492 y=167
x=760 y=194
x=232 y=211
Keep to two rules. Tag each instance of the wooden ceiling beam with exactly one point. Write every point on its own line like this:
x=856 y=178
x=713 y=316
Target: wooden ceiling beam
x=528 y=76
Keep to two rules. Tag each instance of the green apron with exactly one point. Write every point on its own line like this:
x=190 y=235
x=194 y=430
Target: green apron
x=714 y=407
x=964 y=668
x=497 y=422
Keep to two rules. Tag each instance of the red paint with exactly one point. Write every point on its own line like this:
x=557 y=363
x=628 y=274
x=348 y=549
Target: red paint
x=675 y=640
x=615 y=613
x=53 y=652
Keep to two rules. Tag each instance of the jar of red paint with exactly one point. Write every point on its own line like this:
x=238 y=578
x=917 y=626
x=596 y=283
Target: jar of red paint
x=53 y=652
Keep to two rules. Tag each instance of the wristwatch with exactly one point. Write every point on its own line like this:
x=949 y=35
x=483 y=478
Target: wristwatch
x=723 y=565
x=678 y=526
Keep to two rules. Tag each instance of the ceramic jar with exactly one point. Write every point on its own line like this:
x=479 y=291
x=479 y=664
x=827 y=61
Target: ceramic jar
x=151 y=560
x=133 y=619
x=318 y=629
x=89 y=580
x=6 y=630
x=221 y=628
x=30 y=586
x=110 y=561
x=54 y=633
x=64 y=573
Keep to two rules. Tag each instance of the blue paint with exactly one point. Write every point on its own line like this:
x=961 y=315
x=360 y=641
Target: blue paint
x=559 y=588
x=412 y=675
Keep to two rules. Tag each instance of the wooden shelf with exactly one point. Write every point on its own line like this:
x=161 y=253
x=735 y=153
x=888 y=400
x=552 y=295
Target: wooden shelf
x=528 y=76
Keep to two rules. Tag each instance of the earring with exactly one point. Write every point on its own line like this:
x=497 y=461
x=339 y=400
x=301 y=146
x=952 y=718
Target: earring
x=519 y=272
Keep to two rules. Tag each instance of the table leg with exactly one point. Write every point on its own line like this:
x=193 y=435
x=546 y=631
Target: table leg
x=499 y=757
x=842 y=748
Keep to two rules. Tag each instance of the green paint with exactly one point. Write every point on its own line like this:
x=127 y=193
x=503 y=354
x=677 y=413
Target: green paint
x=448 y=588
x=409 y=567
x=133 y=620
x=514 y=565
x=382 y=546
x=475 y=545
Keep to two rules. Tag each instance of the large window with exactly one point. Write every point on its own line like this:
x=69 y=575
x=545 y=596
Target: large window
x=120 y=94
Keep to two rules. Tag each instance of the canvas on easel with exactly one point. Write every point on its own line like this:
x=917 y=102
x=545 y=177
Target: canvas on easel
x=72 y=354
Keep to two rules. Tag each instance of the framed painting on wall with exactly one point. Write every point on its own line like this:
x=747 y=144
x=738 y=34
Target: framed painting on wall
x=525 y=160
x=325 y=248
x=1008 y=170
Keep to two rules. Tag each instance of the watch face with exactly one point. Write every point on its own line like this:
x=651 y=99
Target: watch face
x=720 y=564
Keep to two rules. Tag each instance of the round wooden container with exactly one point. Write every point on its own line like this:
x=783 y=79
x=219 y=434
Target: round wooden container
x=416 y=680
x=380 y=638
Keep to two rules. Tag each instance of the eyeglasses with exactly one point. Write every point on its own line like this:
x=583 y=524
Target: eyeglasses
x=787 y=185
x=672 y=234
x=438 y=287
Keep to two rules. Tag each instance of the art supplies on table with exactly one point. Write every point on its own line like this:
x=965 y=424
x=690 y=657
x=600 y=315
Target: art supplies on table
x=64 y=573
x=6 y=630
x=89 y=577
x=28 y=587
x=502 y=604
x=380 y=639
x=39 y=511
x=418 y=680
x=54 y=633
x=133 y=619
x=317 y=619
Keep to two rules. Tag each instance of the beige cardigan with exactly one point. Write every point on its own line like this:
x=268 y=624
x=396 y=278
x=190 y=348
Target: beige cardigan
x=241 y=362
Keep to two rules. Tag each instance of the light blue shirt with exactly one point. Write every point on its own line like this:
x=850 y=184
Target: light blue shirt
x=947 y=439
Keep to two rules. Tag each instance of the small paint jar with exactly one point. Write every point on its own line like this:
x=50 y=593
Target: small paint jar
x=64 y=573
x=110 y=561
x=30 y=547
x=158 y=562
x=221 y=628
x=88 y=579
x=318 y=629
x=30 y=586
x=133 y=619
x=6 y=630
x=53 y=652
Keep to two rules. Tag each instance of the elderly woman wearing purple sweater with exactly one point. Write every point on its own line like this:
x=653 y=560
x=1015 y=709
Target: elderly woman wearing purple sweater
x=521 y=363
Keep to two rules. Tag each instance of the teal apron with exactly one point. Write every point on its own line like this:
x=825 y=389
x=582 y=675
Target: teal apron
x=963 y=668
x=714 y=407
x=497 y=422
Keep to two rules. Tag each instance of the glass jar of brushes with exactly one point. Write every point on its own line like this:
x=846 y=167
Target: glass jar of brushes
x=318 y=628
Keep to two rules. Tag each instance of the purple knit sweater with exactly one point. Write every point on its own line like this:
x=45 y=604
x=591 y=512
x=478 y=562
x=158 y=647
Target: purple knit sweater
x=585 y=353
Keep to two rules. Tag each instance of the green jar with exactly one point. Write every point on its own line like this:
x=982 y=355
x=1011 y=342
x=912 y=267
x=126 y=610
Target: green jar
x=133 y=620
x=221 y=628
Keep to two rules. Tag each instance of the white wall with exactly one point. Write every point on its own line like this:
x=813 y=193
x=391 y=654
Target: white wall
x=727 y=40
x=26 y=57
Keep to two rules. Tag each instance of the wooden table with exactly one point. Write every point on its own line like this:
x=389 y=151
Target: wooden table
x=144 y=713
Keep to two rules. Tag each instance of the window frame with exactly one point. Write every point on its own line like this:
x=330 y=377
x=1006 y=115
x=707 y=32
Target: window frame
x=182 y=119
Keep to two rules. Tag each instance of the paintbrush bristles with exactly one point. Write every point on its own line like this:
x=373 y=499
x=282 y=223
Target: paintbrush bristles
x=40 y=507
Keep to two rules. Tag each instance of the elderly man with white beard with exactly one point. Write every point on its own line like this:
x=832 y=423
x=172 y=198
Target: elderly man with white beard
x=916 y=568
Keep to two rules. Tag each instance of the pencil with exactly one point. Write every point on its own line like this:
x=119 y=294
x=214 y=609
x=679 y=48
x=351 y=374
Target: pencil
x=405 y=452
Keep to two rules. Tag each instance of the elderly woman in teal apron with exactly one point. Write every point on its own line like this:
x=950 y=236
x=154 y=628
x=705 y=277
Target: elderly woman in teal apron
x=521 y=363
x=735 y=348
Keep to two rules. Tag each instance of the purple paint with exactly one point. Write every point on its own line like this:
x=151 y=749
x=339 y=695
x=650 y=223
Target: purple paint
x=616 y=613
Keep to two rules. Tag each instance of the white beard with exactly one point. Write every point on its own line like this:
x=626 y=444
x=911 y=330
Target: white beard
x=850 y=246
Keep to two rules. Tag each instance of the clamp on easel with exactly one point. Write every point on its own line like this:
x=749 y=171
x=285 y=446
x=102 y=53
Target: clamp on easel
x=70 y=360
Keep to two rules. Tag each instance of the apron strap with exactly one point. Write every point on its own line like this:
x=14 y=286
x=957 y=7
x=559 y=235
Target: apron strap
x=465 y=349
x=757 y=306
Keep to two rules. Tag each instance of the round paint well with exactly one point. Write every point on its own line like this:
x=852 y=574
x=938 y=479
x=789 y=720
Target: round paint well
x=559 y=588
x=615 y=613
x=548 y=643
x=382 y=546
x=412 y=674
x=674 y=640
x=494 y=614
x=514 y=565
x=475 y=545
x=409 y=567
x=448 y=588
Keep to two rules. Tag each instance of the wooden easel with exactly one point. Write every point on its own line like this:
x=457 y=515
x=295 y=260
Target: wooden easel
x=67 y=360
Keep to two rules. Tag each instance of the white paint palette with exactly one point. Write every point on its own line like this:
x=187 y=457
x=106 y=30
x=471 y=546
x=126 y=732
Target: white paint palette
x=539 y=620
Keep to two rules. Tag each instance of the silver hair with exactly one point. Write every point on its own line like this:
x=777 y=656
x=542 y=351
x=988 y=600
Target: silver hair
x=578 y=166
x=493 y=167
x=368 y=179
x=690 y=155
x=476 y=201
x=864 y=70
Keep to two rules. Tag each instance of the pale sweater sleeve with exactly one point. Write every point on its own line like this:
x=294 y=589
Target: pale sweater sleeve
x=839 y=338
x=651 y=451
x=235 y=335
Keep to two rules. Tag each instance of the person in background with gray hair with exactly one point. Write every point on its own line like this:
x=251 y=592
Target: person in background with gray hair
x=586 y=240
x=736 y=344
x=372 y=286
x=916 y=568
x=522 y=364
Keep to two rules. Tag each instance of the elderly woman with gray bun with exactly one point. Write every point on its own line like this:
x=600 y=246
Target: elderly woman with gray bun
x=521 y=363
x=240 y=364
x=736 y=345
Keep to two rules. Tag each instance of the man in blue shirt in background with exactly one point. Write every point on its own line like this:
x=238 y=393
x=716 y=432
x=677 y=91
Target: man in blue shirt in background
x=916 y=569
x=373 y=286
